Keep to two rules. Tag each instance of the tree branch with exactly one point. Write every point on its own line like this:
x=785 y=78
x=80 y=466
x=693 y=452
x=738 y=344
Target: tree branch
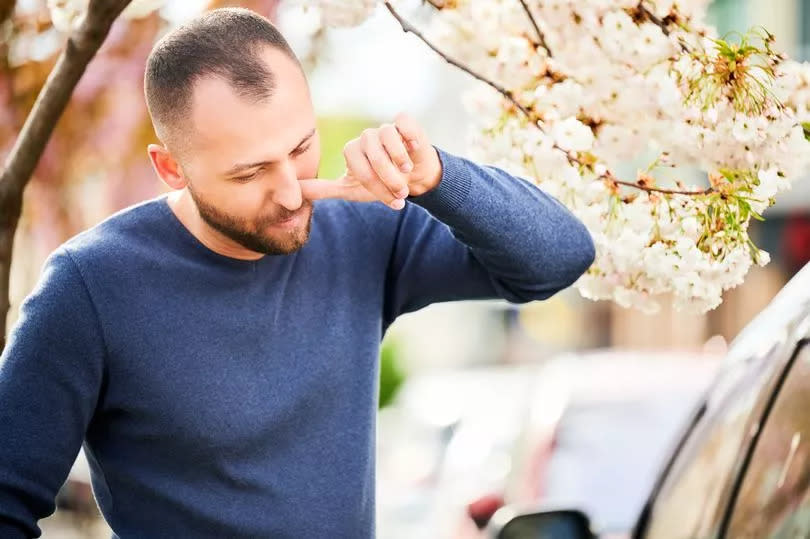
x=80 y=48
x=55 y=94
x=408 y=27
x=540 y=34
x=572 y=158
x=6 y=9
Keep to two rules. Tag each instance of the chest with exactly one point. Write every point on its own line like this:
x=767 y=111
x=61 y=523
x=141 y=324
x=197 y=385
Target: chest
x=231 y=364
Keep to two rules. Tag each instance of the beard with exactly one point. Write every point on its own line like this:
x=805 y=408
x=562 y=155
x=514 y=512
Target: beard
x=254 y=235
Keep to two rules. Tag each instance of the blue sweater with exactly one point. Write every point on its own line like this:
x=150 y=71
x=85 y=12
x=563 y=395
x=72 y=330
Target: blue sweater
x=218 y=397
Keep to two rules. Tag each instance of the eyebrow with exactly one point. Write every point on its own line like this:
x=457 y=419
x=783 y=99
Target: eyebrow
x=238 y=167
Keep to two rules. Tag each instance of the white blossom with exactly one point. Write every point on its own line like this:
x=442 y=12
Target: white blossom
x=571 y=134
x=141 y=8
x=66 y=15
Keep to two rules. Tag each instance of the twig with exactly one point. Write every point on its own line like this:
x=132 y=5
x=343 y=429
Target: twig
x=649 y=189
x=408 y=27
x=653 y=18
x=540 y=34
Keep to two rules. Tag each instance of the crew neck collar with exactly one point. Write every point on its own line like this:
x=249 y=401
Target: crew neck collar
x=198 y=246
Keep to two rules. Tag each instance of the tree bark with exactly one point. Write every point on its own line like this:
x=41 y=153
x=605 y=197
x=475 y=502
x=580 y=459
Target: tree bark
x=6 y=9
x=80 y=48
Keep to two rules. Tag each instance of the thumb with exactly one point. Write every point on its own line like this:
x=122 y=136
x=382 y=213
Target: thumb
x=344 y=187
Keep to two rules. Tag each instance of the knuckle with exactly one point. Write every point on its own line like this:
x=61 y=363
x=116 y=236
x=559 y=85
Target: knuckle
x=405 y=122
x=374 y=155
x=376 y=161
x=394 y=185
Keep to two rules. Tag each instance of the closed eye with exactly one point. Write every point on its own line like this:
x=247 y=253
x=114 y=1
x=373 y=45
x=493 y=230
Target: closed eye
x=302 y=150
x=245 y=179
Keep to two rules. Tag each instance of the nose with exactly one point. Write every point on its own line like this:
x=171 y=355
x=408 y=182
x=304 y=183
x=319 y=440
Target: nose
x=287 y=190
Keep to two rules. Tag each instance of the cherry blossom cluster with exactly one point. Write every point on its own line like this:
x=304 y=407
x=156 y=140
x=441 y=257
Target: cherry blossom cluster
x=663 y=137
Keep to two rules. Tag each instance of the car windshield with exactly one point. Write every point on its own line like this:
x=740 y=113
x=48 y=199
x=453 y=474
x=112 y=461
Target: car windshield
x=688 y=501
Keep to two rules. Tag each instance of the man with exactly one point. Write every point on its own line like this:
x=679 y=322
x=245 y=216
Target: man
x=215 y=350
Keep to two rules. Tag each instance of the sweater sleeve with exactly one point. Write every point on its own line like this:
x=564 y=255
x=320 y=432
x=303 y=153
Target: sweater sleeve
x=482 y=233
x=50 y=375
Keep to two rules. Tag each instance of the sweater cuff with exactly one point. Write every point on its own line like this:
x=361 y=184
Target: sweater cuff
x=453 y=188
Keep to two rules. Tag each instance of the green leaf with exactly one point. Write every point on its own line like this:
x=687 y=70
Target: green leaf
x=806 y=129
x=745 y=210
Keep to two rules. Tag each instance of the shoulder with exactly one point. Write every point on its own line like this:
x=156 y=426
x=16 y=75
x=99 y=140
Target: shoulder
x=116 y=236
x=59 y=293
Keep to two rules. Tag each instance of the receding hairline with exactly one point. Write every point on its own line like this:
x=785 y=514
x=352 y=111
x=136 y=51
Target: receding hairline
x=225 y=43
x=181 y=124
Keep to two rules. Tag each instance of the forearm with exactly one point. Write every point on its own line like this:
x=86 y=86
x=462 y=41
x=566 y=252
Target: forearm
x=523 y=236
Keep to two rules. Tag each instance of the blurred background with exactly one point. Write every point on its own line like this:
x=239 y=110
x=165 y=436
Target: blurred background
x=481 y=402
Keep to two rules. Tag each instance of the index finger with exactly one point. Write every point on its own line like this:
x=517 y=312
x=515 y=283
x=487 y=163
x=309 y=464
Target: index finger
x=317 y=188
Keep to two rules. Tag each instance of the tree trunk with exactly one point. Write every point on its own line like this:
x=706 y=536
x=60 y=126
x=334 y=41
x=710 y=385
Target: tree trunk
x=80 y=48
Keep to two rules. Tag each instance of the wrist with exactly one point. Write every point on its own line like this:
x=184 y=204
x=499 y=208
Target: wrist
x=431 y=182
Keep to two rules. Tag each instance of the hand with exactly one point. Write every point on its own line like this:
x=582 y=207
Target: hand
x=387 y=163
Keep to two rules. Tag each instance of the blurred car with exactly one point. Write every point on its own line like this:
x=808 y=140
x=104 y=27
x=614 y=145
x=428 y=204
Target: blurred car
x=742 y=467
x=597 y=433
x=454 y=436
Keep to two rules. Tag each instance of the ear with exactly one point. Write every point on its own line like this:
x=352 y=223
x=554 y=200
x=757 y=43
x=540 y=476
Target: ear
x=166 y=167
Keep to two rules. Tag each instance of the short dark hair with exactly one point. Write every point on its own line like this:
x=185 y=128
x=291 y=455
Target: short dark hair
x=222 y=42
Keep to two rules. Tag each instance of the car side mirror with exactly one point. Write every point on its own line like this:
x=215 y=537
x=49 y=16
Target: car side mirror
x=560 y=524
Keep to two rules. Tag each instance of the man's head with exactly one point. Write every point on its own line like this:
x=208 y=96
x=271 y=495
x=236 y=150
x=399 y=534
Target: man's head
x=231 y=105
